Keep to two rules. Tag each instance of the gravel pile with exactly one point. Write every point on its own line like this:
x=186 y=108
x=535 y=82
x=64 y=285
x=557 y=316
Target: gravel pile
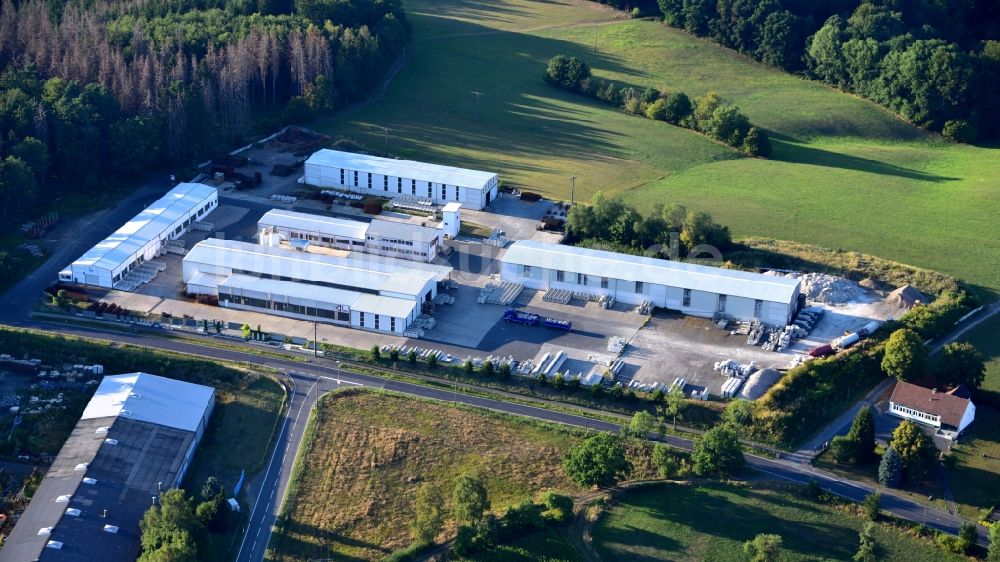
x=758 y=383
x=828 y=289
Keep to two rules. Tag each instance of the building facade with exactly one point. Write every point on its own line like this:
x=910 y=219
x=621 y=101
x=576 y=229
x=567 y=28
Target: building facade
x=142 y=238
x=696 y=290
x=386 y=177
x=380 y=237
x=361 y=291
x=948 y=412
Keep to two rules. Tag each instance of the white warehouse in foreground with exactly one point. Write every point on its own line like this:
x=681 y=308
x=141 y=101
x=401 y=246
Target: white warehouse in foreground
x=142 y=238
x=692 y=289
x=386 y=177
x=380 y=237
x=361 y=291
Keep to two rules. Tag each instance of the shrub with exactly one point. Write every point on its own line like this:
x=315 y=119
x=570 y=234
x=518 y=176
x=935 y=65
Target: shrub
x=890 y=469
x=657 y=110
x=967 y=537
x=559 y=507
x=598 y=461
x=375 y=354
x=959 y=130
x=487 y=369
x=394 y=355
x=567 y=72
x=465 y=540
x=718 y=452
x=504 y=370
x=871 y=505
x=411 y=356
x=757 y=143
x=948 y=543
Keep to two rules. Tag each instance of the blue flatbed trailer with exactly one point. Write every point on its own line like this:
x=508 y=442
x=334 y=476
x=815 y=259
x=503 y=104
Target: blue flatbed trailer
x=558 y=324
x=520 y=317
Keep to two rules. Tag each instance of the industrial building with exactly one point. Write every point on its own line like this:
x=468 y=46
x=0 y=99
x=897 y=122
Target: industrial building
x=136 y=438
x=359 y=290
x=110 y=263
x=401 y=179
x=696 y=290
x=380 y=237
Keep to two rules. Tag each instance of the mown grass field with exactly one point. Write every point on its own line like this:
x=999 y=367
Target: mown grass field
x=712 y=521
x=367 y=453
x=844 y=174
x=986 y=338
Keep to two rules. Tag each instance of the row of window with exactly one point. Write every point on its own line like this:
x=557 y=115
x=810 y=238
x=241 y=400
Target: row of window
x=391 y=241
x=399 y=185
x=306 y=282
x=916 y=413
x=640 y=289
x=315 y=312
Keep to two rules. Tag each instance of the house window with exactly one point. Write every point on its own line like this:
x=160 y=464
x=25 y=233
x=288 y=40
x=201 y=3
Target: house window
x=722 y=303
x=604 y=282
x=399 y=185
x=361 y=319
x=376 y=321
x=355 y=179
x=385 y=183
x=369 y=180
x=526 y=271
x=581 y=279
x=413 y=187
x=430 y=190
x=341 y=176
x=639 y=287
x=444 y=191
x=758 y=308
x=456 y=192
x=687 y=298
x=392 y=323
x=560 y=275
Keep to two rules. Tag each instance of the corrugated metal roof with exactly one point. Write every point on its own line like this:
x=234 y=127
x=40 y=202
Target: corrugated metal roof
x=420 y=171
x=150 y=398
x=626 y=267
x=149 y=224
x=357 y=270
x=402 y=231
x=326 y=226
x=362 y=302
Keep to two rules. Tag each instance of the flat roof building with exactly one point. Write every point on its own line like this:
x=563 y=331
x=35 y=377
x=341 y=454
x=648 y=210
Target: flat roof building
x=109 y=263
x=360 y=290
x=693 y=289
x=380 y=237
x=136 y=437
x=387 y=177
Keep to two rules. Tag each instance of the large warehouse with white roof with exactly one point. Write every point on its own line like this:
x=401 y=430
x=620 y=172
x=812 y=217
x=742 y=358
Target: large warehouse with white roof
x=360 y=290
x=136 y=438
x=381 y=237
x=386 y=177
x=141 y=239
x=692 y=289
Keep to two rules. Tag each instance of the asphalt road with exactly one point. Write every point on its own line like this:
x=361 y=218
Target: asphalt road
x=308 y=381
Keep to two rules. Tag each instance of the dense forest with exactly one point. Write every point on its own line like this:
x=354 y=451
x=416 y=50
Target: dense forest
x=934 y=62
x=93 y=91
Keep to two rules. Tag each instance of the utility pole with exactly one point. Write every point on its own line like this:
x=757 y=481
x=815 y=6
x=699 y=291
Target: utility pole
x=315 y=341
x=386 y=131
x=595 y=38
x=478 y=95
x=572 y=190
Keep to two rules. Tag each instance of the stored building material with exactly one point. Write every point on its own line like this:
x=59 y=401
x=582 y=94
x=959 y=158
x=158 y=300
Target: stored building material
x=692 y=289
x=405 y=179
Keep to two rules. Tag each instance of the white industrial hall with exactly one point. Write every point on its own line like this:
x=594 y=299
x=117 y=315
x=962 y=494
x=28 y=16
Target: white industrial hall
x=401 y=179
x=696 y=290
x=390 y=238
x=110 y=262
x=360 y=290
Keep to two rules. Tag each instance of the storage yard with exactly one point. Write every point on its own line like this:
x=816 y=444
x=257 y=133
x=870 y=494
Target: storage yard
x=304 y=265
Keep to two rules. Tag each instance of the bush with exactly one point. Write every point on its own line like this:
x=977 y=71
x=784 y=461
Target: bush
x=718 y=452
x=406 y=554
x=959 y=130
x=843 y=449
x=871 y=505
x=657 y=110
x=567 y=72
x=375 y=354
x=465 y=540
x=559 y=507
x=948 y=543
x=757 y=143
x=890 y=469
x=522 y=519
x=967 y=537
x=394 y=355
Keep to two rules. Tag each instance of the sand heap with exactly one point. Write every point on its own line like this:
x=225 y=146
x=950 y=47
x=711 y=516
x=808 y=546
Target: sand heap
x=907 y=297
x=758 y=383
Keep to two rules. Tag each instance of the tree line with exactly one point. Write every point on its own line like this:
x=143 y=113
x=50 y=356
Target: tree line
x=609 y=223
x=934 y=62
x=92 y=92
x=708 y=114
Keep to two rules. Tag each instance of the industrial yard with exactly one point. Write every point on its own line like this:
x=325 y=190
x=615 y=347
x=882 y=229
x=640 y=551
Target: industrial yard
x=583 y=326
